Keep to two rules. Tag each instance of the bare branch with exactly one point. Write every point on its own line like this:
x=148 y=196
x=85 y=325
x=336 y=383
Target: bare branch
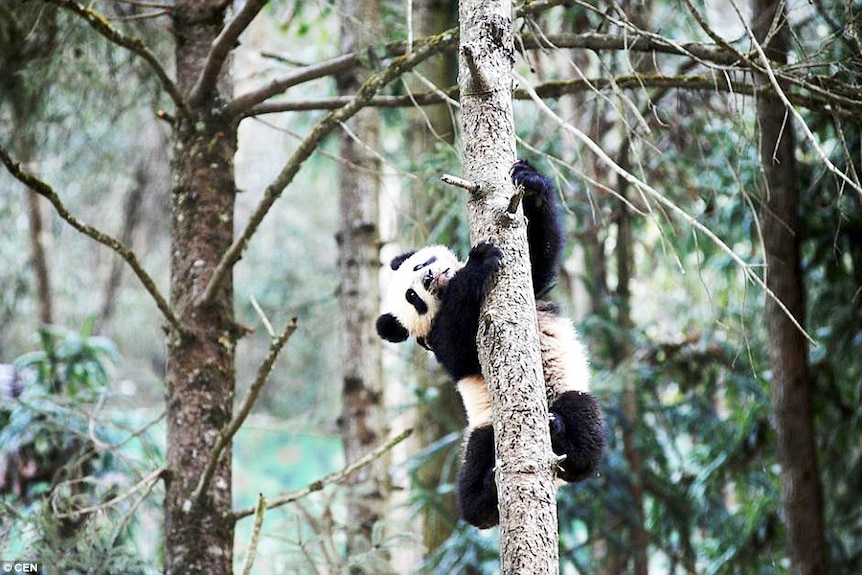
x=323 y=128
x=420 y=99
x=230 y=430
x=100 y=24
x=220 y=49
x=44 y=190
x=334 y=477
x=645 y=188
x=557 y=88
x=241 y=104
x=637 y=41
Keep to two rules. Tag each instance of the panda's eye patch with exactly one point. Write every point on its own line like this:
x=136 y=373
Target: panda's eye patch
x=416 y=301
x=430 y=261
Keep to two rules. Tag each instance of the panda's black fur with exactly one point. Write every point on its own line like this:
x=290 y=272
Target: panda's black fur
x=436 y=298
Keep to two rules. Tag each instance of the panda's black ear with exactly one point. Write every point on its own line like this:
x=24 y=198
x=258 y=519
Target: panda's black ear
x=398 y=260
x=390 y=329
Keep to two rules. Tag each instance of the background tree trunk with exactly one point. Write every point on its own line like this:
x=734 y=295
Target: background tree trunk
x=200 y=375
x=801 y=491
x=363 y=420
x=508 y=337
x=44 y=297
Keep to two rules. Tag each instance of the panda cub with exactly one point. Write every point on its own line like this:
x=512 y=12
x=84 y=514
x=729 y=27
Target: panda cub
x=435 y=298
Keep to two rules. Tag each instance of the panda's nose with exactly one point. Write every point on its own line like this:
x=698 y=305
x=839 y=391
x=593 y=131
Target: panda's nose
x=427 y=280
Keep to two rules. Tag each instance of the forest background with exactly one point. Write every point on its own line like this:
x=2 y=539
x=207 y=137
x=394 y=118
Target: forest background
x=185 y=178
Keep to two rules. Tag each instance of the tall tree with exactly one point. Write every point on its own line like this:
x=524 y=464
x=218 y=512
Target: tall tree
x=200 y=377
x=22 y=43
x=363 y=420
x=508 y=341
x=801 y=491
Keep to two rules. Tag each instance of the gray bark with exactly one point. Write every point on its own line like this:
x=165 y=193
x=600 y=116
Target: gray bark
x=508 y=334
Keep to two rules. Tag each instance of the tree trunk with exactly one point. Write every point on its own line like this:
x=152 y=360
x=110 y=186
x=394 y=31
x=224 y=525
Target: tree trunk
x=200 y=375
x=508 y=337
x=363 y=421
x=38 y=235
x=630 y=406
x=44 y=297
x=801 y=491
x=131 y=219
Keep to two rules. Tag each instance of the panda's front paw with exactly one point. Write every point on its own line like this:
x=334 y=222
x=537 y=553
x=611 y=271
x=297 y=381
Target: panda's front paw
x=486 y=255
x=525 y=175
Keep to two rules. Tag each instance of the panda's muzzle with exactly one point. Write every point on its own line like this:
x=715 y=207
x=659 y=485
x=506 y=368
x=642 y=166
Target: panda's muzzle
x=434 y=283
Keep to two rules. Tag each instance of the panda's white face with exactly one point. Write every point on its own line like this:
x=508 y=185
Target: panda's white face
x=417 y=286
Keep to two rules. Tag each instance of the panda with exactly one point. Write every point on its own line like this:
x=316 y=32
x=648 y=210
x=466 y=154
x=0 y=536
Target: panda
x=435 y=297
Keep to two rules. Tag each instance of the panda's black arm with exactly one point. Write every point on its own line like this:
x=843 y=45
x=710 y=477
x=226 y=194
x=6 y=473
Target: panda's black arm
x=453 y=337
x=545 y=234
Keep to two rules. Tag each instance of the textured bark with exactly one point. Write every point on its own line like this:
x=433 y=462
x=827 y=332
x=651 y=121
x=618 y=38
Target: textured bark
x=363 y=421
x=801 y=491
x=44 y=297
x=200 y=375
x=508 y=334
x=630 y=407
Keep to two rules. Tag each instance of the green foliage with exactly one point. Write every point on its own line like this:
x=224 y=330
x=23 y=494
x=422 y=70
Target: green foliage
x=70 y=361
x=57 y=458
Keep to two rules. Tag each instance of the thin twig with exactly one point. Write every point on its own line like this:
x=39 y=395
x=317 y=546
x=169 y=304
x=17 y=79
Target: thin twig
x=259 y=512
x=220 y=49
x=323 y=128
x=656 y=195
x=334 y=477
x=265 y=320
x=100 y=24
x=226 y=435
x=43 y=189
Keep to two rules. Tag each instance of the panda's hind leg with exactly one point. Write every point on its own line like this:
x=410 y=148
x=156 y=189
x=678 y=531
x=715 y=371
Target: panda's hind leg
x=577 y=432
x=477 y=492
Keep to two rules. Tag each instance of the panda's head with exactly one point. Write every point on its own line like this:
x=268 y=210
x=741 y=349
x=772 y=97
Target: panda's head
x=414 y=295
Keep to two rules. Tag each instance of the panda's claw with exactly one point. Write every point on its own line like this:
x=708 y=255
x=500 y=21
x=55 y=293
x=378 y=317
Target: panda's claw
x=525 y=175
